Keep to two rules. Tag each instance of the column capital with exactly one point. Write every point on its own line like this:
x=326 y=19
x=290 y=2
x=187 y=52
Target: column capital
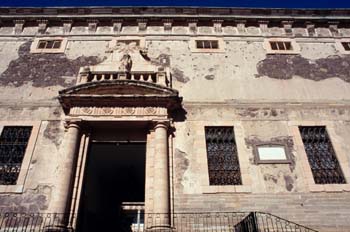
x=76 y=122
x=161 y=124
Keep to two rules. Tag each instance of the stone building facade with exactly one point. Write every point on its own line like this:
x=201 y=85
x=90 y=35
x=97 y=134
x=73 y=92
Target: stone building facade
x=230 y=110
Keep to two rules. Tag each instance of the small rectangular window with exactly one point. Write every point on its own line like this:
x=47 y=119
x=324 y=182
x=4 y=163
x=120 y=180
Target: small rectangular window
x=223 y=163
x=321 y=156
x=207 y=44
x=281 y=45
x=129 y=41
x=49 y=44
x=13 y=144
x=346 y=46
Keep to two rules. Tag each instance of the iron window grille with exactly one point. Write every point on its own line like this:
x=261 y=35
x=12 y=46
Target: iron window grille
x=346 y=46
x=49 y=44
x=321 y=156
x=281 y=45
x=223 y=163
x=13 y=144
x=207 y=44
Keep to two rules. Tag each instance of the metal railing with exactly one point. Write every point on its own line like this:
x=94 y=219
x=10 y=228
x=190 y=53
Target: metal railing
x=179 y=222
x=265 y=222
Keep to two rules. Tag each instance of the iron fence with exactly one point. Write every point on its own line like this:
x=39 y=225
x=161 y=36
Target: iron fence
x=179 y=222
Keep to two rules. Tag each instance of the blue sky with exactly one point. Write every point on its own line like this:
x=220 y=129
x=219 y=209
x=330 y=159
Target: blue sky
x=222 y=3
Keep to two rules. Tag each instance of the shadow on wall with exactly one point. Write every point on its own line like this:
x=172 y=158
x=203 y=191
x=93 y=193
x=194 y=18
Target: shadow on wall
x=44 y=69
x=286 y=66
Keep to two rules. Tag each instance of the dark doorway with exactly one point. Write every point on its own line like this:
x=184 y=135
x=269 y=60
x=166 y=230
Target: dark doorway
x=115 y=173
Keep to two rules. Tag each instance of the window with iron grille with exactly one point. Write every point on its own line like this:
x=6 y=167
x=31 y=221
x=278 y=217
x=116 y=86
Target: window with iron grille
x=320 y=153
x=129 y=41
x=13 y=144
x=281 y=45
x=346 y=46
x=223 y=164
x=207 y=44
x=49 y=44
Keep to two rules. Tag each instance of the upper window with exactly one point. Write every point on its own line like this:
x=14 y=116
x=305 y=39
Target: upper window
x=129 y=41
x=281 y=46
x=13 y=144
x=136 y=40
x=223 y=164
x=346 y=46
x=48 y=45
x=207 y=44
x=343 y=45
x=321 y=156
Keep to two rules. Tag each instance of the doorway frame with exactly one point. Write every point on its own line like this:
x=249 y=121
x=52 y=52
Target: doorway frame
x=86 y=138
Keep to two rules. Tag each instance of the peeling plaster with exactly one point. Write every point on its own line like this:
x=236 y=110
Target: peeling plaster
x=182 y=164
x=289 y=182
x=284 y=67
x=180 y=76
x=43 y=69
x=31 y=201
x=162 y=60
x=53 y=132
x=209 y=77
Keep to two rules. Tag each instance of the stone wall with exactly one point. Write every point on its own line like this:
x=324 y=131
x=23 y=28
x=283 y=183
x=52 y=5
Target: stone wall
x=263 y=96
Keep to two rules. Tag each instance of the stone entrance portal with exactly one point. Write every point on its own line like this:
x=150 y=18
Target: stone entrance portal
x=107 y=94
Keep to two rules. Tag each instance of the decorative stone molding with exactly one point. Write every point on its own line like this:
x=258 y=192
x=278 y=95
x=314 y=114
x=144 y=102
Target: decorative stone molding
x=217 y=24
x=142 y=24
x=92 y=25
x=263 y=25
x=67 y=25
x=288 y=27
x=118 y=111
x=42 y=25
x=168 y=23
x=241 y=26
x=117 y=25
x=333 y=28
x=19 y=24
x=192 y=25
x=310 y=28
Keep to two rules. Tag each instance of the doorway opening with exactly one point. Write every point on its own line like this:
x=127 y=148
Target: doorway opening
x=114 y=177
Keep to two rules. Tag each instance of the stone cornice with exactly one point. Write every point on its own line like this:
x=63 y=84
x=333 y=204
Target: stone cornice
x=157 y=14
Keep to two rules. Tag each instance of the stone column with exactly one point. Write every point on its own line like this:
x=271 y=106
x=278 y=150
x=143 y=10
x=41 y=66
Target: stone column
x=64 y=182
x=161 y=194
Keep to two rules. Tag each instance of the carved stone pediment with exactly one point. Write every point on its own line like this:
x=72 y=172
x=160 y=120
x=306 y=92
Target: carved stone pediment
x=126 y=80
x=120 y=88
x=119 y=93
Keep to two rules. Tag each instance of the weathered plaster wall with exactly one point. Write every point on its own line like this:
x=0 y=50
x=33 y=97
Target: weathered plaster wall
x=280 y=189
x=30 y=76
x=218 y=82
x=246 y=72
x=243 y=72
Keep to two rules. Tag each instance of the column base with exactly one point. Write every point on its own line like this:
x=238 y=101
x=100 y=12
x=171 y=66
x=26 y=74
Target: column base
x=58 y=228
